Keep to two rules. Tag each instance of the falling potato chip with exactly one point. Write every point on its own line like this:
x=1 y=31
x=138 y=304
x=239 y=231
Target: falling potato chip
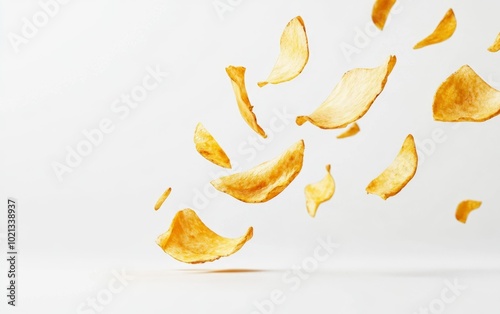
x=443 y=31
x=464 y=209
x=266 y=180
x=208 y=147
x=162 y=198
x=189 y=240
x=398 y=174
x=237 y=76
x=351 y=98
x=351 y=131
x=496 y=45
x=380 y=12
x=294 y=53
x=465 y=96
x=320 y=192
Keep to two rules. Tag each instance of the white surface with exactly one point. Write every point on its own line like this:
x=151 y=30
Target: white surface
x=394 y=255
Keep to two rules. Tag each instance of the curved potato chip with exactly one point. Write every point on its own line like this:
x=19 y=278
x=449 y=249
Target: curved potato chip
x=398 y=174
x=496 y=45
x=380 y=12
x=351 y=98
x=320 y=192
x=464 y=209
x=162 y=198
x=294 y=53
x=208 y=147
x=351 y=131
x=237 y=76
x=443 y=31
x=266 y=180
x=189 y=240
x=464 y=96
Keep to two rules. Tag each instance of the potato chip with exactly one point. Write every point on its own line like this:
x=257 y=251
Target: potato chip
x=443 y=31
x=189 y=240
x=464 y=209
x=266 y=180
x=351 y=98
x=162 y=198
x=320 y=192
x=208 y=147
x=351 y=131
x=464 y=96
x=496 y=45
x=398 y=174
x=380 y=12
x=237 y=76
x=294 y=53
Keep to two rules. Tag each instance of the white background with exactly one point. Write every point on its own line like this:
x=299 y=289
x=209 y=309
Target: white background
x=394 y=256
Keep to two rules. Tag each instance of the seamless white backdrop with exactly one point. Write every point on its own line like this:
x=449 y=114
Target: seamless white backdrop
x=99 y=217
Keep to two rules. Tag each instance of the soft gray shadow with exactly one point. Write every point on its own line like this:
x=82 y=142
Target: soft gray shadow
x=173 y=272
x=235 y=270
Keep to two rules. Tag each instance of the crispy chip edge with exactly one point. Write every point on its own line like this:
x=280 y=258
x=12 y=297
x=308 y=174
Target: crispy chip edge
x=371 y=188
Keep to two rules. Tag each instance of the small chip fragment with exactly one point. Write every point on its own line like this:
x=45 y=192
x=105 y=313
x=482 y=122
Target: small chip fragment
x=208 y=147
x=380 y=12
x=465 y=96
x=351 y=98
x=464 y=209
x=351 y=131
x=395 y=177
x=496 y=45
x=266 y=180
x=443 y=31
x=189 y=240
x=294 y=53
x=320 y=192
x=162 y=198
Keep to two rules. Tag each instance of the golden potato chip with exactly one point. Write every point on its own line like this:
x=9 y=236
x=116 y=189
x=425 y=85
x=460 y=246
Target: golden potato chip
x=320 y=192
x=351 y=131
x=208 y=147
x=294 y=53
x=464 y=209
x=398 y=174
x=351 y=98
x=380 y=12
x=237 y=76
x=266 y=180
x=464 y=96
x=189 y=240
x=162 y=198
x=443 y=31
x=496 y=45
